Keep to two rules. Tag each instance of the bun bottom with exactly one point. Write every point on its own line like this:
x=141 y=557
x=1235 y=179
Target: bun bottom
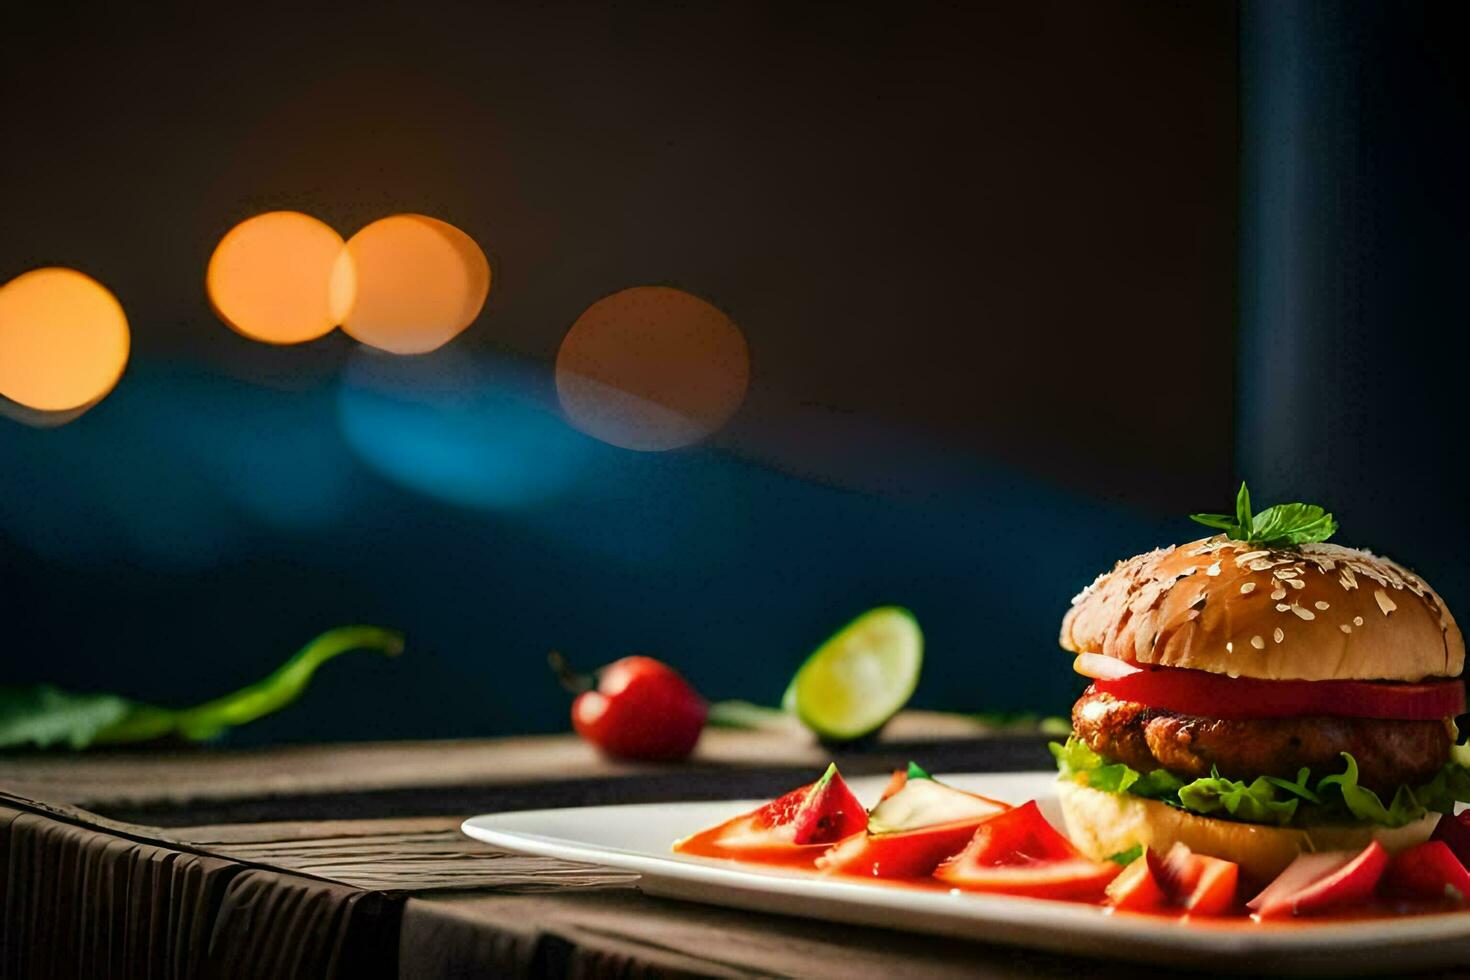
x=1102 y=824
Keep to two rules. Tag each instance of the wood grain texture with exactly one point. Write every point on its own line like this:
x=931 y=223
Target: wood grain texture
x=220 y=892
x=82 y=894
x=416 y=855
x=176 y=776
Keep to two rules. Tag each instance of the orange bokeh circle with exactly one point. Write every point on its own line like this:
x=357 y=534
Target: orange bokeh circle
x=652 y=368
x=63 y=340
x=420 y=281
x=280 y=277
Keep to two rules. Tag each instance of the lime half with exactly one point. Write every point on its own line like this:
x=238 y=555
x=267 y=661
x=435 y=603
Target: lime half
x=860 y=677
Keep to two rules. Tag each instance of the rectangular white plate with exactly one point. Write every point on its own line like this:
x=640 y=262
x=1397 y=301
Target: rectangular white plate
x=637 y=838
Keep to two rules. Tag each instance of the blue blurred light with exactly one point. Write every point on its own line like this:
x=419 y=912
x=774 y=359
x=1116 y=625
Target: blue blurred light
x=176 y=470
x=477 y=434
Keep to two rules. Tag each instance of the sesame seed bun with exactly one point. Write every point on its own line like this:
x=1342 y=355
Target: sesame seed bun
x=1317 y=612
x=1103 y=824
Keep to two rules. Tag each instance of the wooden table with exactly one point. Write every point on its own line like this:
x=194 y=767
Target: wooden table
x=346 y=860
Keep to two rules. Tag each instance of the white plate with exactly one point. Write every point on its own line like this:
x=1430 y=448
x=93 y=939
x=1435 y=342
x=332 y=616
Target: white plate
x=637 y=838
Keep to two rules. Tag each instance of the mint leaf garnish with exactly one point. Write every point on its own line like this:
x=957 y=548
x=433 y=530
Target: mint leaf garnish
x=1284 y=525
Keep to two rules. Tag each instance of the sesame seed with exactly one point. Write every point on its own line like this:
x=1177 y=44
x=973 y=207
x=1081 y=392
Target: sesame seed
x=1282 y=607
x=1296 y=583
x=1251 y=556
x=1213 y=569
x=1286 y=572
x=1279 y=594
x=1278 y=635
x=1348 y=580
x=1345 y=628
x=1247 y=588
x=1303 y=613
x=1258 y=643
x=1260 y=565
x=1357 y=620
x=1384 y=602
x=1229 y=647
x=1322 y=605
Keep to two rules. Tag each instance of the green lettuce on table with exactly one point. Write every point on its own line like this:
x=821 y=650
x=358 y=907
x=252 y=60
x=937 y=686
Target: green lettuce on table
x=1333 y=798
x=43 y=716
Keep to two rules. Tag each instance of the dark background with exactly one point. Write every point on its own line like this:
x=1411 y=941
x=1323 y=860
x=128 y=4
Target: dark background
x=1022 y=286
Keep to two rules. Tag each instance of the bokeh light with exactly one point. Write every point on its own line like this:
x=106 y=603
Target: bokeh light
x=63 y=340
x=652 y=368
x=282 y=277
x=420 y=281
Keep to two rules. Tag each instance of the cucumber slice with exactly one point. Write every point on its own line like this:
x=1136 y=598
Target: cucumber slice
x=860 y=677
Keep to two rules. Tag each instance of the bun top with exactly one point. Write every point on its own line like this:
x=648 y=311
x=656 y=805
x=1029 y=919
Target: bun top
x=1315 y=612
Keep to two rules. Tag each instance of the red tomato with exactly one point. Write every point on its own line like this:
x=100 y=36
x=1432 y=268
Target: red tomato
x=1429 y=870
x=1455 y=832
x=829 y=813
x=909 y=854
x=1321 y=882
x=1017 y=852
x=1196 y=883
x=1214 y=893
x=793 y=829
x=1199 y=692
x=1177 y=872
x=1076 y=879
x=1136 y=889
x=642 y=709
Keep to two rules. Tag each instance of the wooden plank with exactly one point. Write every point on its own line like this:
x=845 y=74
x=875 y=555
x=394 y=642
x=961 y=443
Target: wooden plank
x=396 y=855
x=603 y=932
x=153 y=776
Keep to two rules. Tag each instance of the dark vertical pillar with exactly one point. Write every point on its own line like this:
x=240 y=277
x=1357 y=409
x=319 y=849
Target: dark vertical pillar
x=1353 y=370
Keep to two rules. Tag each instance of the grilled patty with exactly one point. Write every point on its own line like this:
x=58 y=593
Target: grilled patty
x=1388 y=752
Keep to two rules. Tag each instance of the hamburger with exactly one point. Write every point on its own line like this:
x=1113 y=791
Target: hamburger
x=1260 y=693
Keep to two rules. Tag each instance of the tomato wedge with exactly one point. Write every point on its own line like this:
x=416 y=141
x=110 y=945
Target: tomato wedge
x=1455 y=832
x=1195 y=883
x=1136 y=889
x=1019 y=853
x=908 y=854
x=795 y=829
x=1429 y=870
x=1321 y=882
x=1214 y=893
x=1199 y=692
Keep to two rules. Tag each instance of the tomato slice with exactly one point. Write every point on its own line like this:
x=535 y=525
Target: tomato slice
x=1019 y=853
x=1214 y=893
x=795 y=829
x=1429 y=870
x=1136 y=889
x=1455 y=832
x=1321 y=882
x=1178 y=872
x=1199 y=692
x=907 y=854
x=1195 y=883
x=829 y=813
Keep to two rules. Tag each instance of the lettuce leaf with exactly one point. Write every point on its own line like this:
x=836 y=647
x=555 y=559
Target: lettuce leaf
x=1271 y=799
x=1253 y=802
x=1364 y=804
